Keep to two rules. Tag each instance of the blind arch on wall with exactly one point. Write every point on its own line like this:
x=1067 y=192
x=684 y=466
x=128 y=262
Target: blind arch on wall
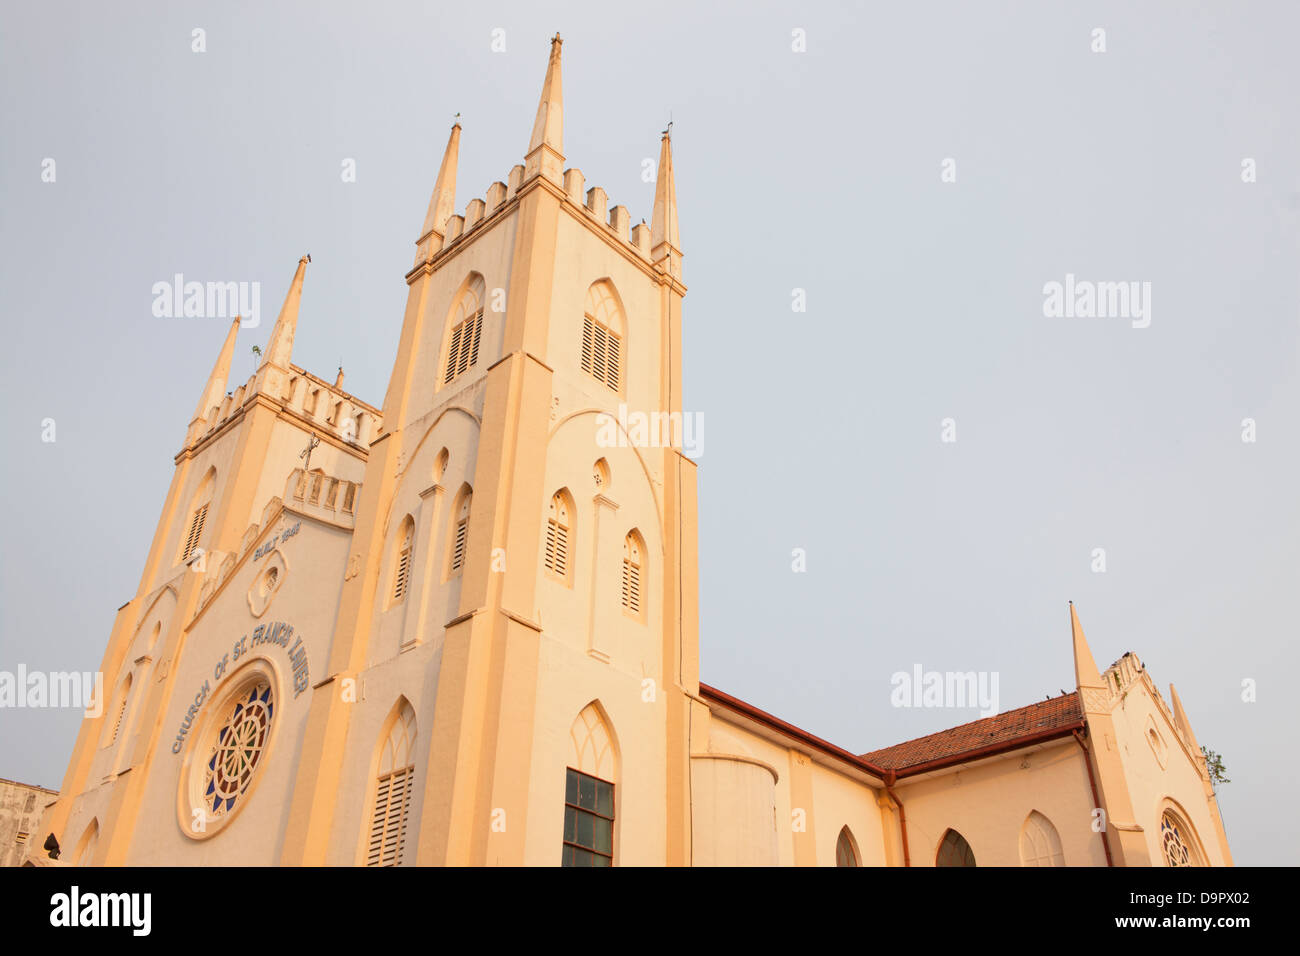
x=1040 y=844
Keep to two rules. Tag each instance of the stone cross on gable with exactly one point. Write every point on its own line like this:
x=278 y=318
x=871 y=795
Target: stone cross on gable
x=306 y=452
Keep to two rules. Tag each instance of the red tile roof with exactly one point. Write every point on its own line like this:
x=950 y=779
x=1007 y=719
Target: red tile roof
x=1044 y=720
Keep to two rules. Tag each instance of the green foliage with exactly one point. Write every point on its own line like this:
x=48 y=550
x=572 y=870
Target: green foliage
x=1214 y=764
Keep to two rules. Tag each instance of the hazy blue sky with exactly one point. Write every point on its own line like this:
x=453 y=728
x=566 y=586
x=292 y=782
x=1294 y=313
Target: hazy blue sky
x=817 y=170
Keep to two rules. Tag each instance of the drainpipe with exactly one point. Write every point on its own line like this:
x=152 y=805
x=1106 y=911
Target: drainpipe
x=890 y=779
x=1092 y=782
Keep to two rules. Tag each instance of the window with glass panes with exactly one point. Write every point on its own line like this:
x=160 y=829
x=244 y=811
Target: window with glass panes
x=588 y=821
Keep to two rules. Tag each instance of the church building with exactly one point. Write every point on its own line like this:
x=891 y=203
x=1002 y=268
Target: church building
x=461 y=628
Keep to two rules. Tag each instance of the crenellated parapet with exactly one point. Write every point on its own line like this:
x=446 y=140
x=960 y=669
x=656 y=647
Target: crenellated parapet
x=319 y=405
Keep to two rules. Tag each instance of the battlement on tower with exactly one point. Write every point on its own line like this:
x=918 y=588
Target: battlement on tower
x=593 y=202
x=320 y=406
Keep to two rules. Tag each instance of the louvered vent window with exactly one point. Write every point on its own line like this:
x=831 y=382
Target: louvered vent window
x=349 y=496
x=196 y=529
x=121 y=710
x=600 y=352
x=388 y=824
x=316 y=480
x=21 y=838
x=402 y=574
x=331 y=492
x=386 y=841
x=632 y=576
x=458 y=541
x=463 y=352
x=557 y=537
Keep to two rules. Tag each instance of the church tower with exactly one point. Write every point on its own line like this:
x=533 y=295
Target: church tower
x=519 y=602
x=242 y=457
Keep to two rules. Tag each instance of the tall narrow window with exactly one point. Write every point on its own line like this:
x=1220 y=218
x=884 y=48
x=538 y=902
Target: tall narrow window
x=465 y=333
x=196 y=529
x=459 y=535
x=633 y=574
x=589 y=792
x=954 y=851
x=198 y=515
x=602 y=345
x=402 y=563
x=119 y=711
x=394 y=784
x=558 y=536
x=845 y=855
x=588 y=820
x=84 y=855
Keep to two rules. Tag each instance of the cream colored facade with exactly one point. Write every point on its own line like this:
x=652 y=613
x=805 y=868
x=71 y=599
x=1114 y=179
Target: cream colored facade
x=21 y=807
x=397 y=653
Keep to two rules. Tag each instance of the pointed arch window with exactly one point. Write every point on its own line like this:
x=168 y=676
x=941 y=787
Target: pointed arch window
x=402 y=561
x=845 y=854
x=602 y=343
x=1176 y=841
x=1040 y=844
x=634 y=574
x=460 y=534
x=559 y=536
x=466 y=331
x=198 y=515
x=86 y=846
x=394 y=783
x=119 y=711
x=589 y=792
x=954 y=851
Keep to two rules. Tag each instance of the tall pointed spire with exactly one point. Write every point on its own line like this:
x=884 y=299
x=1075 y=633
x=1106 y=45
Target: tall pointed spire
x=1085 y=668
x=442 y=204
x=546 y=148
x=1184 y=725
x=279 y=349
x=215 y=390
x=665 y=244
x=548 y=128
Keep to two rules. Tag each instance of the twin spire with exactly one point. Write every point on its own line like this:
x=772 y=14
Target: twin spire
x=545 y=157
x=548 y=128
x=279 y=349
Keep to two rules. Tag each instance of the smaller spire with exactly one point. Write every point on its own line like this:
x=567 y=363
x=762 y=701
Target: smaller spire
x=546 y=147
x=1085 y=668
x=442 y=204
x=548 y=128
x=279 y=349
x=215 y=390
x=1184 y=725
x=338 y=381
x=665 y=243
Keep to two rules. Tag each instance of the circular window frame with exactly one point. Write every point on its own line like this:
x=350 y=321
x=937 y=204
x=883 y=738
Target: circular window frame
x=189 y=791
